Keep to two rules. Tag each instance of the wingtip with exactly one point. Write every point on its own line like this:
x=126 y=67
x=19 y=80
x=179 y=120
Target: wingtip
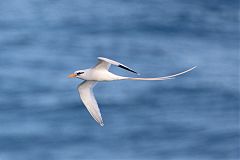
x=101 y=124
x=131 y=70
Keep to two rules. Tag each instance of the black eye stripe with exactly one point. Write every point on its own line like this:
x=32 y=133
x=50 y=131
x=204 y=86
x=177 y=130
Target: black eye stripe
x=79 y=73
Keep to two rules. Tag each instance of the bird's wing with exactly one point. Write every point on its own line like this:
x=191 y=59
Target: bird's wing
x=85 y=90
x=105 y=63
x=161 y=78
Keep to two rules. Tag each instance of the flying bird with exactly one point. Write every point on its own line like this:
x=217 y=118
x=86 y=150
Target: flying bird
x=100 y=72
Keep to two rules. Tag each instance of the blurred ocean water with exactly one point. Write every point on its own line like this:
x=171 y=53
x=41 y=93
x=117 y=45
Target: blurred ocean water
x=193 y=117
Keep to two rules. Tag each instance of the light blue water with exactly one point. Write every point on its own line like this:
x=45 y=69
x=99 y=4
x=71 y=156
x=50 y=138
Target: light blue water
x=193 y=117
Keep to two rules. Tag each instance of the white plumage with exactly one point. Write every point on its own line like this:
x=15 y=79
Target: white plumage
x=100 y=73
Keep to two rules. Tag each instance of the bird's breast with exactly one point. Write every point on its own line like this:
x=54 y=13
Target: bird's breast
x=100 y=75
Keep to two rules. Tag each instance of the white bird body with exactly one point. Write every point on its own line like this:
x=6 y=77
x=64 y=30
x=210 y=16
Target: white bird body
x=94 y=74
x=100 y=73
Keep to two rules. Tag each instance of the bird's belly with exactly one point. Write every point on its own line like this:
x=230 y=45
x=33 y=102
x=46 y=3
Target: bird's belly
x=99 y=76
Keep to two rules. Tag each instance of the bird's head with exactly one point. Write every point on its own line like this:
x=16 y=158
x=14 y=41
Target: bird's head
x=76 y=74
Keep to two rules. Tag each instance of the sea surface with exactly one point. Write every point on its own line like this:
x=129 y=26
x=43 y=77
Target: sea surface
x=193 y=117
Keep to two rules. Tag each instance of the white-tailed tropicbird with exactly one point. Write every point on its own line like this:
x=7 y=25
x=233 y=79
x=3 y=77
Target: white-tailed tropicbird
x=100 y=73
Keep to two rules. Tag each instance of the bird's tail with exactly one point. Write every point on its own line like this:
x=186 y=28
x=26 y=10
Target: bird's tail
x=160 y=78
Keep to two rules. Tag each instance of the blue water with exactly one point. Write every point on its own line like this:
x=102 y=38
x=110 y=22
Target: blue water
x=193 y=117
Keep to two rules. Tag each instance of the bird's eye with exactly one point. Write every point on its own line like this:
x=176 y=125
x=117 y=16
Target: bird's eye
x=78 y=73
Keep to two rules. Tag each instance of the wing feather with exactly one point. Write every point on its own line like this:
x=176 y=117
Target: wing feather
x=85 y=90
x=105 y=63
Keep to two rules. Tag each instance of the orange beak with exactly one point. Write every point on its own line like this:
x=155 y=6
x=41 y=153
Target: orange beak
x=73 y=75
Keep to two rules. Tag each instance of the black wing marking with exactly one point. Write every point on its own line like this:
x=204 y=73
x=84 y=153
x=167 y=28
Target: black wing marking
x=126 y=68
